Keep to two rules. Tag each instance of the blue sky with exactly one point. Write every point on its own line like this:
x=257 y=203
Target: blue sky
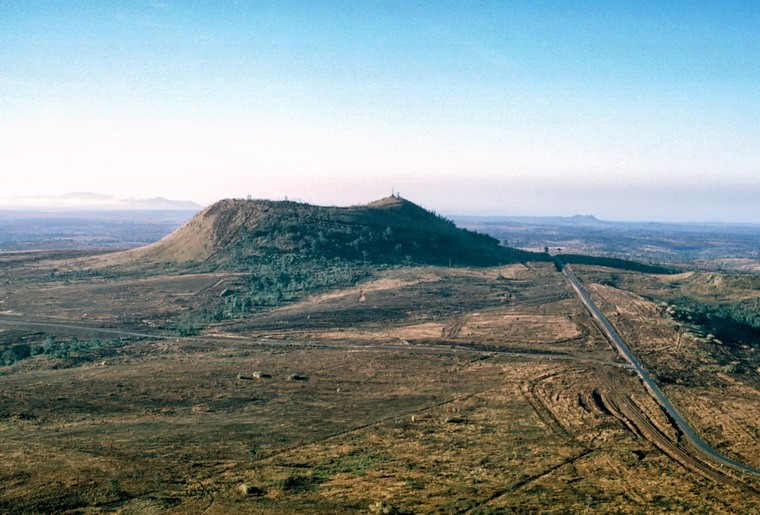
x=625 y=110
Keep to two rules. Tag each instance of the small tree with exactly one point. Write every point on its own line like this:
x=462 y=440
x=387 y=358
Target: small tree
x=48 y=344
x=21 y=351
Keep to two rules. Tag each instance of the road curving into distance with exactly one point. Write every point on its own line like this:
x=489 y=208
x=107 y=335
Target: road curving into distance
x=655 y=390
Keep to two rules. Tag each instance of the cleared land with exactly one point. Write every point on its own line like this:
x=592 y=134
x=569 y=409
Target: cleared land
x=418 y=389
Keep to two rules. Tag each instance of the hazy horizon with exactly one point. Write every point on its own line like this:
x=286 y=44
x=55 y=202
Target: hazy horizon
x=83 y=202
x=640 y=112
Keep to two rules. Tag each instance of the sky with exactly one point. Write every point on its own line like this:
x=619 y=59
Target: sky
x=624 y=110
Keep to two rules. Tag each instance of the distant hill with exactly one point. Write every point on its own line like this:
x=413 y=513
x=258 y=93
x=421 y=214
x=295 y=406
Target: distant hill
x=708 y=245
x=483 y=221
x=81 y=201
x=233 y=233
x=156 y=203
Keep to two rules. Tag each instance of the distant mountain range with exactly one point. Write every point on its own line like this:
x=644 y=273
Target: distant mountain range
x=94 y=201
x=590 y=221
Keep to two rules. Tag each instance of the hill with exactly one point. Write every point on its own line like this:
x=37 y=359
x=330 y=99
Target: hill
x=236 y=233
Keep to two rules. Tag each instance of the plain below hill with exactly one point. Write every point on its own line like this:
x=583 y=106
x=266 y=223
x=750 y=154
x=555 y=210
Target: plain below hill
x=704 y=245
x=235 y=233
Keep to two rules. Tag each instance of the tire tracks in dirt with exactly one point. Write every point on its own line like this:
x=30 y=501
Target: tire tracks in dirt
x=708 y=454
x=624 y=408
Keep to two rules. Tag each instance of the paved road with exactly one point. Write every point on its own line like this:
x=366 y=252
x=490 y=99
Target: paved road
x=655 y=390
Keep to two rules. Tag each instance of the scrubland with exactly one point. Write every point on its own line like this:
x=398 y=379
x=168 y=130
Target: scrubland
x=416 y=389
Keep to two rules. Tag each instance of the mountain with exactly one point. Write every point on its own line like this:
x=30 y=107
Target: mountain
x=85 y=196
x=562 y=221
x=156 y=203
x=87 y=201
x=235 y=233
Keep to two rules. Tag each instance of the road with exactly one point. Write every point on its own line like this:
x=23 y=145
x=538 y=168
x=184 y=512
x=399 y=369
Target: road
x=596 y=313
x=655 y=390
x=40 y=324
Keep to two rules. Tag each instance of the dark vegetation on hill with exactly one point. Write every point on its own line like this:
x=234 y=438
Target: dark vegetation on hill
x=725 y=305
x=730 y=321
x=621 y=264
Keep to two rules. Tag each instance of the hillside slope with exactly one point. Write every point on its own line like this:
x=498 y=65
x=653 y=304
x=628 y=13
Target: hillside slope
x=233 y=233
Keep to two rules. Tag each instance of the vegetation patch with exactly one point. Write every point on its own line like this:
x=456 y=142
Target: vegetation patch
x=622 y=264
x=18 y=346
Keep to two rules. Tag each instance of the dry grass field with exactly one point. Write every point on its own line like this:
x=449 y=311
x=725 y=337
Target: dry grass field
x=419 y=390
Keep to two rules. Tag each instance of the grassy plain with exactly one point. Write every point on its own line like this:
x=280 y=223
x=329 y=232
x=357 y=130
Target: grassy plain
x=428 y=389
